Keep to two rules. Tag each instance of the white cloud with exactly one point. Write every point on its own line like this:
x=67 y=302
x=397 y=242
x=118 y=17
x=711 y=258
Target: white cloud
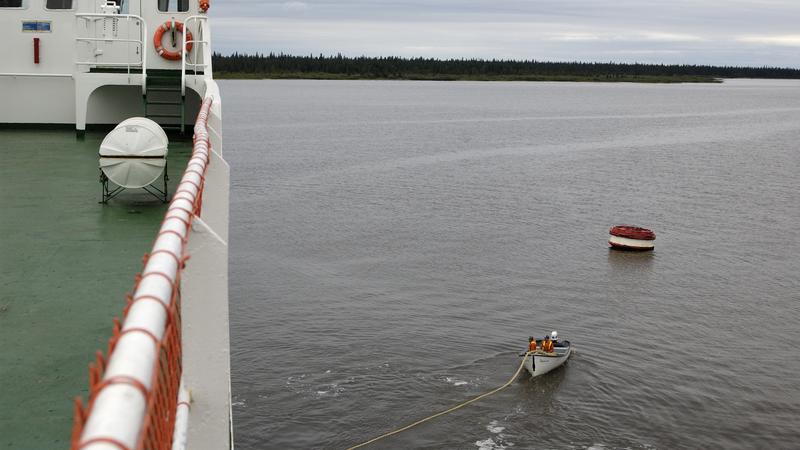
x=295 y=6
x=735 y=32
x=671 y=37
x=575 y=37
x=633 y=37
x=787 y=40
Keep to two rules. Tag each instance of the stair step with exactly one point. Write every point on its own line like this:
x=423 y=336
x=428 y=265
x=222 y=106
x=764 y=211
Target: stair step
x=164 y=88
x=164 y=72
x=162 y=102
x=160 y=80
x=163 y=84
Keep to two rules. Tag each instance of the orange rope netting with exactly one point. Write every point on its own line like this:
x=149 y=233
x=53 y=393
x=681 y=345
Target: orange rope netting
x=162 y=398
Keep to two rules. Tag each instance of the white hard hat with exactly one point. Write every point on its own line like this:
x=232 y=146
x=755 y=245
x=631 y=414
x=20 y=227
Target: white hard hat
x=554 y=335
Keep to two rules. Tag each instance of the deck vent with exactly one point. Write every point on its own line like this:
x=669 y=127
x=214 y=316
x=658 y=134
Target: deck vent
x=134 y=156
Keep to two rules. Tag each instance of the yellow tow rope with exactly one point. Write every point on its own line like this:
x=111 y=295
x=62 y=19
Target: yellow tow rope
x=459 y=406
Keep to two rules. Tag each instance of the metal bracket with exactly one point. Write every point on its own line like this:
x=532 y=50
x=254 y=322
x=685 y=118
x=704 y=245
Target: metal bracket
x=109 y=193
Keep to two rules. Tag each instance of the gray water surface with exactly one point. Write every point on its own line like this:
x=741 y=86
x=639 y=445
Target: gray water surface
x=393 y=245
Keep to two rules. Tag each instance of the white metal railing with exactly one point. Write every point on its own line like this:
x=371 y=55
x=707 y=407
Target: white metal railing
x=203 y=39
x=119 y=402
x=180 y=433
x=141 y=62
x=41 y=75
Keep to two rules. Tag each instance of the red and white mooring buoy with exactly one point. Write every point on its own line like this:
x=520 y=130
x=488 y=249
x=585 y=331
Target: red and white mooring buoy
x=629 y=237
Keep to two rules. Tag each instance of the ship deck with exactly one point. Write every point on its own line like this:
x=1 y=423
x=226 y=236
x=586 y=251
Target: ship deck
x=67 y=262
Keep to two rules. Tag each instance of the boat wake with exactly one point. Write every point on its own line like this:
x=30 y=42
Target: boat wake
x=456 y=382
x=316 y=387
x=498 y=441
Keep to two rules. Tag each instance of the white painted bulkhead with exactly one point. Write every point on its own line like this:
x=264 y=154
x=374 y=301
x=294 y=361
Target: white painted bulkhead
x=57 y=90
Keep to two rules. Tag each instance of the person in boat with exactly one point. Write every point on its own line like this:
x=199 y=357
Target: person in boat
x=531 y=344
x=547 y=345
x=554 y=338
x=532 y=349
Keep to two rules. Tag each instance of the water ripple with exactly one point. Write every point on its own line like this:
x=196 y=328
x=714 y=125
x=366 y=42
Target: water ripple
x=393 y=245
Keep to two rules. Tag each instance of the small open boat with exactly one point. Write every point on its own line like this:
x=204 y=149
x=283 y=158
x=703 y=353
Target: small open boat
x=629 y=237
x=539 y=363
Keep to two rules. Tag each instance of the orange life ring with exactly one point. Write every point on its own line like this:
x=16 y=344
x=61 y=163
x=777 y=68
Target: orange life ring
x=168 y=54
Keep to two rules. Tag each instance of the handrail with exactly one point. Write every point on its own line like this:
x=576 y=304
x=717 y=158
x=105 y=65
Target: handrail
x=180 y=434
x=128 y=387
x=142 y=38
x=42 y=75
x=202 y=28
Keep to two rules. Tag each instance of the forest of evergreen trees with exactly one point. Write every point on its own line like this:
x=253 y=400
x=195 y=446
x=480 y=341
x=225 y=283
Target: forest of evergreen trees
x=391 y=67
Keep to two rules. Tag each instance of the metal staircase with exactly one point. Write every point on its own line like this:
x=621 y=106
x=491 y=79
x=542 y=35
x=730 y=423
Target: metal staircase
x=164 y=99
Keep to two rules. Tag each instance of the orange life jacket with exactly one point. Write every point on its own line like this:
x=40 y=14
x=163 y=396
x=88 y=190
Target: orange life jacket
x=532 y=346
x=547 y=346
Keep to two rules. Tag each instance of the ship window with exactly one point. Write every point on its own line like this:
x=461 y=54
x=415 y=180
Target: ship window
x=173 y=5
x=10 y=3
x=58 y=4
x=123 y=6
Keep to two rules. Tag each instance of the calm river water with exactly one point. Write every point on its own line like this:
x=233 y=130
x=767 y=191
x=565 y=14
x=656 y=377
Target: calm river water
x=395 y=243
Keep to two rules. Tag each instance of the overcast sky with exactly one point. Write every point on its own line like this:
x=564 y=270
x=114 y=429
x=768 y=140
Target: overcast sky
x=719 y=32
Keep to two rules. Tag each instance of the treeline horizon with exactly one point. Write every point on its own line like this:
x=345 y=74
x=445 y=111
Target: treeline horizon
x=395 y=67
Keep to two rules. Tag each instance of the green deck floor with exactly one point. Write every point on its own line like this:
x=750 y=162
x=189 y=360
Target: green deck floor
x=66 y=262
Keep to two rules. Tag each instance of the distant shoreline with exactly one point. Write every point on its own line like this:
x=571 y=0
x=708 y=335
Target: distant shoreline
x=340 y=67
x=665 y=79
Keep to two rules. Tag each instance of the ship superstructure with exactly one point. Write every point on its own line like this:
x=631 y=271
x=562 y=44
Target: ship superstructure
x=164 y=379
x=96 y=61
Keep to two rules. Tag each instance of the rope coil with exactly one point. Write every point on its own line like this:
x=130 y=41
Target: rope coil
x=459 y=406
